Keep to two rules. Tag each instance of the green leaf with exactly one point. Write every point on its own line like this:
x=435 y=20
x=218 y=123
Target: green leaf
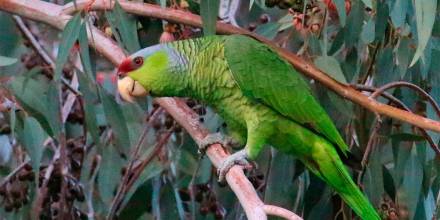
x=88 y=89
x=368 y=3
x=251 y=3
x=32 y=95
x=398 y=13
x=403 y=55
x=84 y=52
x=367 y=34
x=355 y=21
x=280 y=188
x=68 y=38
x=53 y=107
x=340 y=6
x=373 y=179
x=5 y=149
x=33 y=139
x=408 y=193
x=330 y=66
x=6 y=61
x=268 y=30
x=152 y=170
x=109 y=174
x=407 y=137
x=125 y=28
x=381 y=16
x=425 y=11
x=116 y=120
x=209 y=12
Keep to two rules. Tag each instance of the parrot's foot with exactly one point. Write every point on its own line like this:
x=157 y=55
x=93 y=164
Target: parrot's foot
x=238 y=158
x=216 y=138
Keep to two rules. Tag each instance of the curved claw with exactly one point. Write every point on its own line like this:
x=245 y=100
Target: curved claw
x=238 y=158
x=216 y=138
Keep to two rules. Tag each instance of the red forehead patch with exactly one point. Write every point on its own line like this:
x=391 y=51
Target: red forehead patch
x=125 y=66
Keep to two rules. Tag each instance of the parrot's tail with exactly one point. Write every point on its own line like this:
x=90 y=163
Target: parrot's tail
x=325 y=163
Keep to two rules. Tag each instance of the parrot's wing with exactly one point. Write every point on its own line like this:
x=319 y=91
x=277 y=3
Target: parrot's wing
x=263 y=76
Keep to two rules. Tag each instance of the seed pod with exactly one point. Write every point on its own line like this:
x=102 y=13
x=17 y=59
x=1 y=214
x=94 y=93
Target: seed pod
x=9 y=207
x=213 y=207
x=78 y=192
x=27 y=167
x=271 y=3
x=191 y=103
x=3 y=190
x=252 y=27
x=123 y=171
x=220 y=213
x=204 y=210
x=264 y=18
x=184 y=195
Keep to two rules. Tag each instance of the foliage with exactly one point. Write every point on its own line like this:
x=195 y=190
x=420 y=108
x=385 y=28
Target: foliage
x=80 y=140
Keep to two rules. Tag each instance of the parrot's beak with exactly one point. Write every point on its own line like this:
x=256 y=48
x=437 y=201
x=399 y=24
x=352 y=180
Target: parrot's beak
x=129 y=89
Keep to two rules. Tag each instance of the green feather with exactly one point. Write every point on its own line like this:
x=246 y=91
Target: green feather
x=265 y=77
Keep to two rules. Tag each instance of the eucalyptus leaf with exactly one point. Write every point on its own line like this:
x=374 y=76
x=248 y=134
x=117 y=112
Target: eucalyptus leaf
x=268 y=30
x=109 y=174
x=5 y=149
x=331 y=66
x=124 y=25
x=116 y=120
x=209 y=12
x=6 y=61
x=68 y=38
x=340 y=6
x=425 y=17
x=367 y=34
x=33 y=140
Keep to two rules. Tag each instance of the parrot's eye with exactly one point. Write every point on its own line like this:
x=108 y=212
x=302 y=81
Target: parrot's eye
x=138 y=61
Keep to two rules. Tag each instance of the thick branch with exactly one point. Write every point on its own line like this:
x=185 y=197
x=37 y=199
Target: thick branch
x=53 y=15
x=300 y=64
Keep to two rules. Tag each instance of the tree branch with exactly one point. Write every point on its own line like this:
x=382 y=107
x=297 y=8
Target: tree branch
x=300 y=64
x=55 y=16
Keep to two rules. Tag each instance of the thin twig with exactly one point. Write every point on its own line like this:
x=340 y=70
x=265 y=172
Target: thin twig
x=400 y=104
x=419 y=90
x=41 y=51
x=91 y=212
x=383 y=94
x=41 y=193
x=149 y=10
x=135 y=154
x=15 y=171
x=135 y=175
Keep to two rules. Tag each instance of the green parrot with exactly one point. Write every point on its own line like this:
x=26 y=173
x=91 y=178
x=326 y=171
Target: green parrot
x=261 y=97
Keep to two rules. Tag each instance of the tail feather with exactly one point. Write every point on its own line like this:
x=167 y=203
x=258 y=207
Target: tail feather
x=326 y=164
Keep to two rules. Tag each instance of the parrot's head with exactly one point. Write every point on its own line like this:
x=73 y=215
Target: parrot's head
x=153 y=70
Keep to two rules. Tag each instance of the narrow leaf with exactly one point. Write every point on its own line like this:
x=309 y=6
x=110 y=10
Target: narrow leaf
x=331 y=66
x=68 y=38
x=124 y=25
x=5 y=149
x=116 y=119
x=209 y=12
x=425 y=17
x=340 y=6
x=109 y=173
x=268 y=30
x=6 y=61
x=367 y=34
x=33 y=139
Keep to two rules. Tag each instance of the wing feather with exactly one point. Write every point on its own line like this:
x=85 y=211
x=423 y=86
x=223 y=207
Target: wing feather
x=262 y=75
